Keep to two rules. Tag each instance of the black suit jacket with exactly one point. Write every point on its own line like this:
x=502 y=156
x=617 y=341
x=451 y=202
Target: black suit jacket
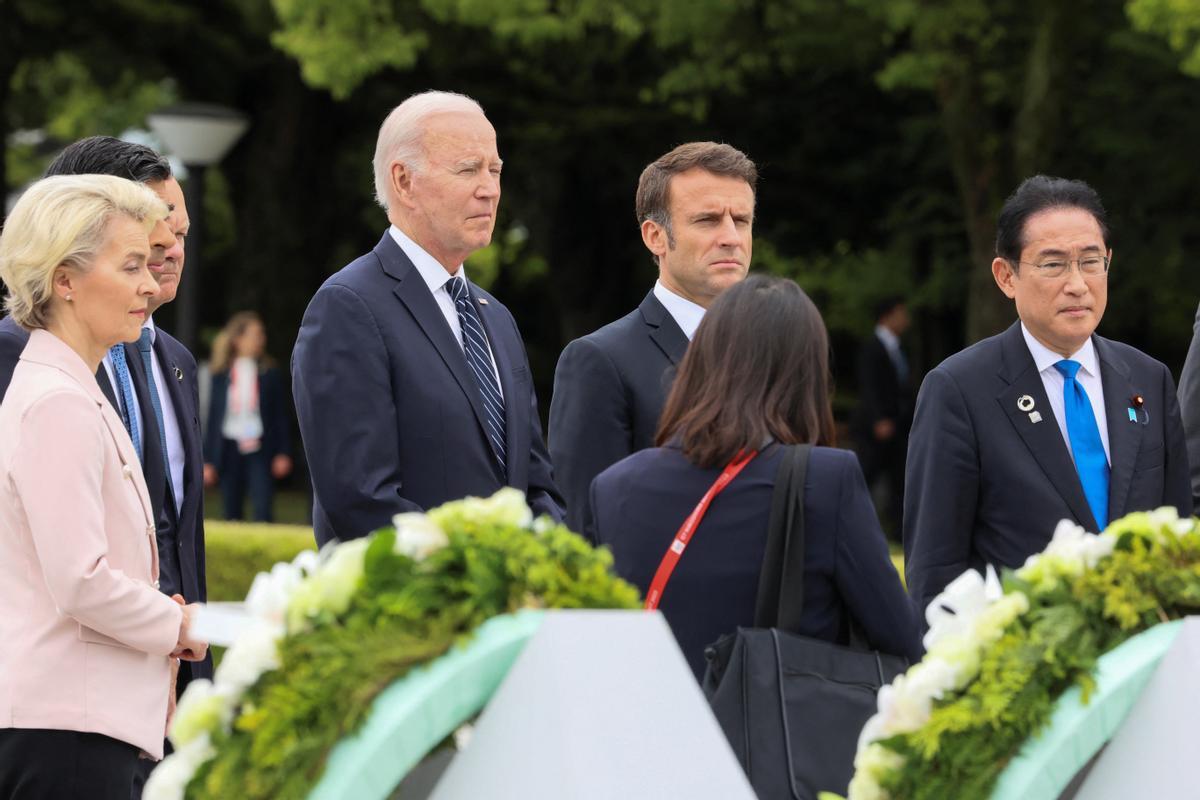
x=987 y=485
x=390 y=414
x=609 y=391
x=1189 y=405
x=272 y=406
x=184 y=527
x=881 y=394
x=641 y=501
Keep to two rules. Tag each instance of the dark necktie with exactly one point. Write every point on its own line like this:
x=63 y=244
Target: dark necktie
x=475 y=348
x=125 y=390
x=144 y=345
x=1086 y=446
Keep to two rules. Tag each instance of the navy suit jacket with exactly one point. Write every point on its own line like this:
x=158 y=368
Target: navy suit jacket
x=1189 y=405
x=185 y=527
x=389 y=411
x=609 y=390
x=272 y=406
x=639 y=503
x=987 y=485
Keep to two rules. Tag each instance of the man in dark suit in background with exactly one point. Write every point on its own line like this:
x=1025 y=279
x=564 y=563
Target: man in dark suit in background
x=1046 y=421
x=1189 y=405
x=885 y=402
x=412 y=386
x=695 y=206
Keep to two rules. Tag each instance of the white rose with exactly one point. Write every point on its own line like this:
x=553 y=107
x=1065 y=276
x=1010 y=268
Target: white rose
x=254 y=653
x=417 y=536
x=203 y=708
x=170 y=778
x=332 y=586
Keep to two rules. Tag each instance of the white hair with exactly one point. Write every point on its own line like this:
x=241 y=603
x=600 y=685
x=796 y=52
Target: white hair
x=400 y=135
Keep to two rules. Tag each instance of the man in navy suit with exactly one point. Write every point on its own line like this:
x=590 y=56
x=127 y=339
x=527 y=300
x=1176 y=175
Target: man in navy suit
x=411 y=383
x=696 y=209
x=1046 y=421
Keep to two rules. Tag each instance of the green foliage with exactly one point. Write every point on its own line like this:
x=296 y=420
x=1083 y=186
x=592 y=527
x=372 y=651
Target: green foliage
x=1152 y=576
x=1177 y=21
x=236 y=551
x=404 y=613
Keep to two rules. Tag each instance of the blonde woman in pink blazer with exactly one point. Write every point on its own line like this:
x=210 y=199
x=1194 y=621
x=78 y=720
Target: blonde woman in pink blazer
x=86 y=638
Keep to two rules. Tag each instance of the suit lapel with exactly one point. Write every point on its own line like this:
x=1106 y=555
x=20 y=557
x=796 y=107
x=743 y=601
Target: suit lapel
x=106 y=387
x=663 y=329
x=1124 y=435
x=413 y=292
x=1044 y=439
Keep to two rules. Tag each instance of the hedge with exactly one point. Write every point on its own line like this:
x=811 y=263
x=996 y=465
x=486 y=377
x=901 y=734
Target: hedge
x=237 y=551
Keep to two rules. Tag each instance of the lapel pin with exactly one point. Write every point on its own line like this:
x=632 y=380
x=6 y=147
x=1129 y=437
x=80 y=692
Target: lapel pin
x=178 y=374
x=1035 y=417
x=1136 y=410
x=483 y=301
x=1025 y=403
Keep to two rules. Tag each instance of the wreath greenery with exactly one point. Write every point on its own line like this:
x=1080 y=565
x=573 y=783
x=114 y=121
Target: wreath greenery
x=334 y=630
x=999 y=656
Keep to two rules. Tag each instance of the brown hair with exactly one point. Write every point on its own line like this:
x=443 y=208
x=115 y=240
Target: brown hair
x=757 y=369
x=653 y=199
x=223 y=348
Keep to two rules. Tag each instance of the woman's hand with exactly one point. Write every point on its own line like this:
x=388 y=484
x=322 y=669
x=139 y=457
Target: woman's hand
x=188 y=647
x=210 y=475
x=281 y=466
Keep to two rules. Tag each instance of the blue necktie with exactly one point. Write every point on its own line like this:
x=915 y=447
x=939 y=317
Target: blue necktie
x=125 y=387
x=476 y=350
x=143 y=345
x=1084 y=433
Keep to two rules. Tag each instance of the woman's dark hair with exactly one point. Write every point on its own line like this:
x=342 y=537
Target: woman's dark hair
x=758 y=368
x=1037 y=194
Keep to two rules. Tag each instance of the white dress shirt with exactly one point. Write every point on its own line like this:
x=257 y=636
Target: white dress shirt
x=1088 y=377
x=175 y=455
x=436 y=278
x=687 y=315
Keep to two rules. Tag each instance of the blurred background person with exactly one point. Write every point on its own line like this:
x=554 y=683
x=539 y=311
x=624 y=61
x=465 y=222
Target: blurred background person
x=246 y=439
x=756 y=376
x=884 y=414
x=88 y=639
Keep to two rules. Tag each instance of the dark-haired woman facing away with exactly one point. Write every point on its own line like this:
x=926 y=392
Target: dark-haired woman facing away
x=756 y=376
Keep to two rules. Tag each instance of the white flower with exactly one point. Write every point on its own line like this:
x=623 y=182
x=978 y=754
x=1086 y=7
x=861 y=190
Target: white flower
x=255 y=652
x=1168 y=517
x=417 y=535
x=170 y=778
x=332 y=586
x=270 y=592
x=462 y=736
x=953 y=611
x=505 y=507
x=203 y=709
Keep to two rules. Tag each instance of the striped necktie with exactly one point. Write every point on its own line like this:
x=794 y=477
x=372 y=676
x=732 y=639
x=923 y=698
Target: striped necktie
x=144 y=346
x=125 y=390
x=475 y=347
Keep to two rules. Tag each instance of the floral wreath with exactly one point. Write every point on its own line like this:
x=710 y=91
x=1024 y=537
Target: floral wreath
x=330 y=631
x=999 y=654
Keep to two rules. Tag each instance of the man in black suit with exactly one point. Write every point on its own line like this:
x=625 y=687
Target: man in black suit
x=884 y=414
x=1189 y=404
x=1046 y=421
x=695 y=206
x=411 y=383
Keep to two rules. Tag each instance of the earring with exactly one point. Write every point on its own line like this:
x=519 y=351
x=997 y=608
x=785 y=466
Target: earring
x=68 y=298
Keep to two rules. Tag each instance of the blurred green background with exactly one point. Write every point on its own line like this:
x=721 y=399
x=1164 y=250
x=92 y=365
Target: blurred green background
x=887 y=134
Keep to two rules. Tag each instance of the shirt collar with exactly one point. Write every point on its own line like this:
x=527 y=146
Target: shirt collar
x=1045 y=358
x=890 y=340
x=433 y=273
x=685 y=313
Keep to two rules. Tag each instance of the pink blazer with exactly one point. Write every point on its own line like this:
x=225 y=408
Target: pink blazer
x=84 y=634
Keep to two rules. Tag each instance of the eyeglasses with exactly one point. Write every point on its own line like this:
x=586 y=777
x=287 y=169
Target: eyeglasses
x=1091 y=266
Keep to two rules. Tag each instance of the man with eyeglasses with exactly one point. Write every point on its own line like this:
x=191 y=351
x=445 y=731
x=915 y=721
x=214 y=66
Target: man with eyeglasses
x=1046 y=421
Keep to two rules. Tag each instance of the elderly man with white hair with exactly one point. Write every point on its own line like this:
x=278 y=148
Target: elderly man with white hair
x=411 y=383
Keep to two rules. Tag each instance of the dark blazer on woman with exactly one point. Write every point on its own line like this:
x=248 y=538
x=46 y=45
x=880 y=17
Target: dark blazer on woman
x=638 y=504
x=272 y=406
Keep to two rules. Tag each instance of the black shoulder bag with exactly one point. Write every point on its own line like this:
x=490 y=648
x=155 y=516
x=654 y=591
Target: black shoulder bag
x=792 y=706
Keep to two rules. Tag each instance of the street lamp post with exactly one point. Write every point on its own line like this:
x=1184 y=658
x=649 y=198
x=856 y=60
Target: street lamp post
x=199 y=135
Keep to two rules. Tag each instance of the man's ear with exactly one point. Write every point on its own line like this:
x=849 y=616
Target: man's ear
x=655 y=238
x=1005 y=275
x=401 y=180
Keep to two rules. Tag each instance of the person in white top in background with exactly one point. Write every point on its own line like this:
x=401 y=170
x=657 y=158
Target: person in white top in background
x=695 y=206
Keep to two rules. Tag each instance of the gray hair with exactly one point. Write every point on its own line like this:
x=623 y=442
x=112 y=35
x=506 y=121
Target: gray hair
x=401 y=133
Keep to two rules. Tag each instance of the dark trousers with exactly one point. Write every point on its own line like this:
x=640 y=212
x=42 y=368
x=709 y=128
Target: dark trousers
x=242 y=471
x=38 y=764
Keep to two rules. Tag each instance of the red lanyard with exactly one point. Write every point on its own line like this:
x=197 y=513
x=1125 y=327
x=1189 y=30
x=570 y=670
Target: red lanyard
x=680 y=542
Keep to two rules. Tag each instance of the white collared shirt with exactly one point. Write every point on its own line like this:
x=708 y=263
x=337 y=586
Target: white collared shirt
x=175 y=455
x=1088 y=377
x=436 y=277
x=687 y=315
